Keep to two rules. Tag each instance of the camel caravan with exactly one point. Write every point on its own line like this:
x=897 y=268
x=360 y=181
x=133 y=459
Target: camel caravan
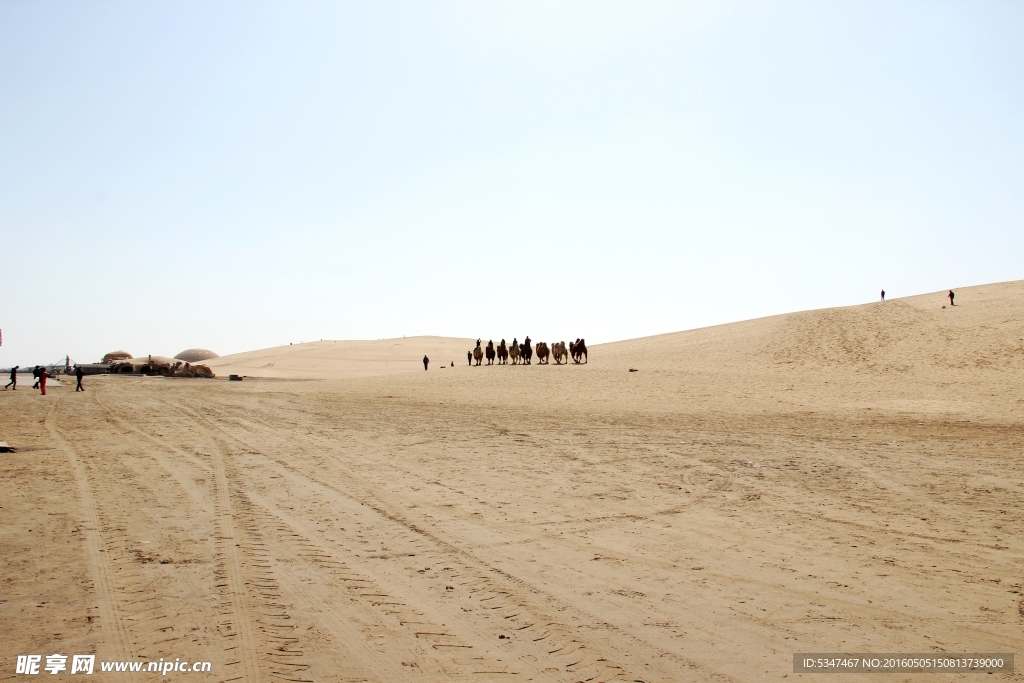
x=522 y=354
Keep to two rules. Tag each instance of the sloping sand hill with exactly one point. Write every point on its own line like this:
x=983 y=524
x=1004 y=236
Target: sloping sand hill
x=340 y=359
x=843 y=480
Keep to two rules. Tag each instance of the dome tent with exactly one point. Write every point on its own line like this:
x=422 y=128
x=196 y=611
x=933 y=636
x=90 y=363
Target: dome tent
x=196 y=355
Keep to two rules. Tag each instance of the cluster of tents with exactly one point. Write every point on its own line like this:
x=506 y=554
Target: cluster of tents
x=183 y=365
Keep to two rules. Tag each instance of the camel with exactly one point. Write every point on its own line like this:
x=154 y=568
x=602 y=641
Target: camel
x=578 y=350
x=527 y=351
x=489 y=352
x=478 y=353
x=559 y=352
x=502 y=353
x=202 y=371
x=543 y=353
x=514 y=352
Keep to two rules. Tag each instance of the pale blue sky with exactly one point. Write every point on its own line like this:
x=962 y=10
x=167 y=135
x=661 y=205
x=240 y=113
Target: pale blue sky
x=240 y=175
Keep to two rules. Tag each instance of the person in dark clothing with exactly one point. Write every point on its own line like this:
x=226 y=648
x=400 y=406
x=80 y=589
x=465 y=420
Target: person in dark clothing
x=883 y=295
x=426 y=361
x=35 y=375
x=469 y=357
x=79 y=374
x=951 y=298
x=14 y=378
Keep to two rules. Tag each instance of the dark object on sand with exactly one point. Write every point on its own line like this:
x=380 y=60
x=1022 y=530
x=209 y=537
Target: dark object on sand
x=4 y=448
x=633 y=370
x=234 y=378
x=578 y=350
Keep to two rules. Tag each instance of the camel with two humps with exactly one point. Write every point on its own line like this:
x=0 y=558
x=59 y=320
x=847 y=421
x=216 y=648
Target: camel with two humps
x=578 y=349
x=559 y=352
x=543 y=353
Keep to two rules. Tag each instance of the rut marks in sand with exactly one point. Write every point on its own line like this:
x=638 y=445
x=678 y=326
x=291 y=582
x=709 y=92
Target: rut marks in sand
x=298 y=548
x=187 y=484
x=159 y=440
x=238 y=627
x=255 y=627
x=282 y=650
x=543 y=644
x=110 y=613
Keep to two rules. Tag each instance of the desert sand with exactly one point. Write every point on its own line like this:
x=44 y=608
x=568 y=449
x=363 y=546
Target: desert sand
x=836 y=480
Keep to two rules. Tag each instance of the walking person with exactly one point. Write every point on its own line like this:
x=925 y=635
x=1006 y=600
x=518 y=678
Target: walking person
x=14 y=378
x=426 y=361
x=883 y=295
x=35 y=375
x=951 y=295
x=79 y=374
x=42 y=380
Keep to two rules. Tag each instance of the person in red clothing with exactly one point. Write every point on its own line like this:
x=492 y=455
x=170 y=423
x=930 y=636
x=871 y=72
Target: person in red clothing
x=42 y=380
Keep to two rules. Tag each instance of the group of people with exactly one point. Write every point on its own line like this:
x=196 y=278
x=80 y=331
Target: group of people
x=40 y=375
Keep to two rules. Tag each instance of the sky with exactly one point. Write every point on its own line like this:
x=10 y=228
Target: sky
x=239 y=175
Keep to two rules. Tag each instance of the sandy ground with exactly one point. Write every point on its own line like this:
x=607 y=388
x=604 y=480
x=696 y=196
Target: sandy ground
x=347 y=359
x=837 y=480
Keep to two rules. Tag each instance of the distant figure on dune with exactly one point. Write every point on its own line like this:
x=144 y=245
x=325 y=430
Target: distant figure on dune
x=42 y=380
x=35 y=376
x=79 y=374
x=453 y=364
x=469 y=357
x=478 y=353
x=883 y=295
x=14 y=378
x=951 y=295
x=426 y=361
x=489 y=352
x=502 y=352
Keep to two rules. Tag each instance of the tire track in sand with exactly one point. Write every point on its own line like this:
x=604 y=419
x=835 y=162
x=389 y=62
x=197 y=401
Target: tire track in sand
x=188 y=485
x=556 y=646
x=238 y=626
x=254 y=624
x=110 y=613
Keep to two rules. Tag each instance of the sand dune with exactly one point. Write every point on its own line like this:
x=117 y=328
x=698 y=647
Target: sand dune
x=340 y=359
x=837 y=480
